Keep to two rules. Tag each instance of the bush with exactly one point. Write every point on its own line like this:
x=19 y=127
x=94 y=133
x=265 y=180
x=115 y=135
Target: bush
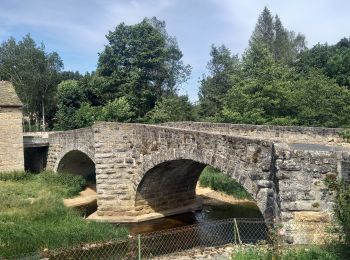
x=218 y=181
x=345 y=134
x=342 y=209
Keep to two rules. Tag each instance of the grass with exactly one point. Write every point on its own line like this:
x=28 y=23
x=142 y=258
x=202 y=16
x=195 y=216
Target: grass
x=327 y=252
x=33 y=217
x=216 y=180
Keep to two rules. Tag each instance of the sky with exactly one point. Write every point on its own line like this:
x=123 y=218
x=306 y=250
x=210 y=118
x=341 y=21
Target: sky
x=76 y=29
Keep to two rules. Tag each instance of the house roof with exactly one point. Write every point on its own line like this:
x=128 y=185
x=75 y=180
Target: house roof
x=8 y=96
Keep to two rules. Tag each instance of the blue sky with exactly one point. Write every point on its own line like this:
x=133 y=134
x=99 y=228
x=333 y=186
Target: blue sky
x=76 y=29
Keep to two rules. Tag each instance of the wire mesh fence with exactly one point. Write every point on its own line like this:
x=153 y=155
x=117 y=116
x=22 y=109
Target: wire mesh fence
x=215 y=233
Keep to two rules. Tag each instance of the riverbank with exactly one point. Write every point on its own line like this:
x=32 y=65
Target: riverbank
x=215 y=198
x=33 y=217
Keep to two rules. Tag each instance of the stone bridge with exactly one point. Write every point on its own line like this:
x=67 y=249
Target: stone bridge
x=149 y=171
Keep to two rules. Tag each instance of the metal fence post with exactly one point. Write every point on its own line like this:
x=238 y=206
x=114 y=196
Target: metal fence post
x=139 y=245
x=239 y=237
x=234 y=234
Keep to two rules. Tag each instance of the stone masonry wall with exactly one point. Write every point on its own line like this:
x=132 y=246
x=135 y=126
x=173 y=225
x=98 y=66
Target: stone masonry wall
x=126 y=152
x=11 y=141
x=115 y=158
x=74 y=140
x=303 y=192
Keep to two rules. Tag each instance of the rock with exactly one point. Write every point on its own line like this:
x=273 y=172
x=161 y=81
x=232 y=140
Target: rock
x=310 y=216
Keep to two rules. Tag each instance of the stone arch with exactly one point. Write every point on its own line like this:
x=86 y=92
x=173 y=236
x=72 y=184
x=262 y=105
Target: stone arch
x=79 y=163
x=157 y=192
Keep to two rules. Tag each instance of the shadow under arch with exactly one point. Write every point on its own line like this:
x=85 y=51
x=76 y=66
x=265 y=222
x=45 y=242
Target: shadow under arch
x=78 y=163
x=171 y=185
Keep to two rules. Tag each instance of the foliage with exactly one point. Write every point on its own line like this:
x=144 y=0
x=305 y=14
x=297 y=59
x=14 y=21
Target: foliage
x=171 y=109
x=76 y=106
x=342 y=209
x=33 y=217
x=34 y=73
x=267 y=92
x=319 y=101
x=345 y=134
x=70 y=97
x=86 y=115
x=260 y=93
x=143 y=63
x=332 y=60
x=139 y=68
x=70 y=75
x=118 y=110
x=215 y=86
x=283 y=45
x=218 y=181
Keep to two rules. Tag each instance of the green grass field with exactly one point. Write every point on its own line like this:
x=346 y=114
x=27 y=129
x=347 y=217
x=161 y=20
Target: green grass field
x=216 y=180
x=33 y=217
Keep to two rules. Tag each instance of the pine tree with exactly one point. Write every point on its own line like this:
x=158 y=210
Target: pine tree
x=264 y=30
x=281 y=44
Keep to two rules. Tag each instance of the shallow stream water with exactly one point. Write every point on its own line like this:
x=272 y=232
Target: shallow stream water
x=208 y=213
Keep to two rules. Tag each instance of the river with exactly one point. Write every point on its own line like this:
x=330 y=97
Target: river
x=216 y=206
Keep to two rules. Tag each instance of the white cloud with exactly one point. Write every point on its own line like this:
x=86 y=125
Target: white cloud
x=77 y=28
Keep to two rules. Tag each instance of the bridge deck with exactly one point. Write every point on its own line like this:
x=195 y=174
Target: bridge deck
x=298 y=138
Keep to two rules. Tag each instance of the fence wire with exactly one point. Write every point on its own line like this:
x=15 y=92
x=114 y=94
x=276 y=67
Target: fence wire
x=215 y=233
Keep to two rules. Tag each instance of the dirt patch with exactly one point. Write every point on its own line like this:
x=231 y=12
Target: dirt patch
x=87 y=197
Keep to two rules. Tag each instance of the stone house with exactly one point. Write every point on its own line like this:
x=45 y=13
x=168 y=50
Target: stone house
x=11 y=137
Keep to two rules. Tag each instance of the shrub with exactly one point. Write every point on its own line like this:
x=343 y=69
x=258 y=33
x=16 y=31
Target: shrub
x=345 y=135
x=342 y=209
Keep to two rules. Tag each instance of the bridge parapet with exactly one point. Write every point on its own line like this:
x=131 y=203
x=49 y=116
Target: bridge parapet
x=286 y=134
x=36 y=139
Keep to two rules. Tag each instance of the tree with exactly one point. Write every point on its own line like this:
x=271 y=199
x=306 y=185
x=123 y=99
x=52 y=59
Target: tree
x=320 y=101
x=269 y=92
x=214 y=87
x=332 y=60
x=118 y=110
x=281 y=42
x=171 y=109
x=260 y=93
x=70 y=97
x=142 y=63
x=34 y=73
x=284 y=45
x=67 y=75
x=264 y=30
